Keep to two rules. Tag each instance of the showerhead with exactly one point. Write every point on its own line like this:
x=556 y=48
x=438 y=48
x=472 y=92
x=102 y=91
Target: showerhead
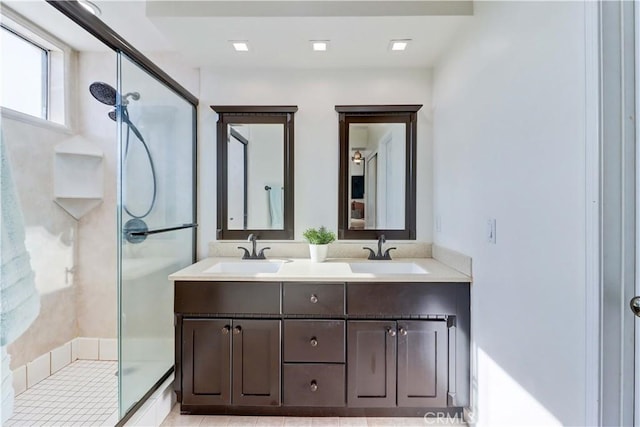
x=112 y=115
x=103 y=93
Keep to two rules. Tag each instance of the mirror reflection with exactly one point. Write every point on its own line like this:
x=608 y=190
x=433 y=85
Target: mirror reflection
x=255 y=185
x=255 y=176
x=377 y=176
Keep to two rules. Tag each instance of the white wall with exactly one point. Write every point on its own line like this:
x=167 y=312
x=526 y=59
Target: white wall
x=315 y=92
x=509 y=138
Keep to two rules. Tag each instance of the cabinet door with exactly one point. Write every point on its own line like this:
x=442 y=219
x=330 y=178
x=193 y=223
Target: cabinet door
x=422 y=363
x=206 y=362
x=371 y=361
x=256 y=362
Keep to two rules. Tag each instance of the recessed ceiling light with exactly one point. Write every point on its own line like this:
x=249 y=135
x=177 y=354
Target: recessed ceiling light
x=90 y=7
x=399 y=44
x=320 y=45
x=240 y=46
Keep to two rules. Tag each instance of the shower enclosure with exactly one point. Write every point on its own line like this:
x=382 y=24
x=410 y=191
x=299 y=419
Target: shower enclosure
x=156 y=216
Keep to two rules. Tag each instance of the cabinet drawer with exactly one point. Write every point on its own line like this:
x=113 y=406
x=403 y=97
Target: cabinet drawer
x=227 y=298
x=404 y=299
x=314 y=341
x=313 y=298
x=314 y=385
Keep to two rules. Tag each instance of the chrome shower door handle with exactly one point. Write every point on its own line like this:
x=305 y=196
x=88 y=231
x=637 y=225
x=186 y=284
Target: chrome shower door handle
x=635 y=305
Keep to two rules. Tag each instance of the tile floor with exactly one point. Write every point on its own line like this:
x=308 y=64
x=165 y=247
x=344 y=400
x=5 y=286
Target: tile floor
x=174 y=419
x=84 y=393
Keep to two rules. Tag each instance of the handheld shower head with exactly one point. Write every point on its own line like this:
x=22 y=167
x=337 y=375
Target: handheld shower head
x=103 y=93
x=106 y=94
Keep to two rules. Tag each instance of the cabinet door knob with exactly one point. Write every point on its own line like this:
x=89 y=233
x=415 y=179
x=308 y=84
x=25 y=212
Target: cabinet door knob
x=226 y=329
x=313 y=299
x=237 y=330
x=391 y=332
x=402 y=331
x=313 y=341
x=313 y=386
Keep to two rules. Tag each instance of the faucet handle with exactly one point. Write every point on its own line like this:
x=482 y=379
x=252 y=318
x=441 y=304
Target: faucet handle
x=246 y=253
x=386 y=253
x=372 y=254
x=261 y=253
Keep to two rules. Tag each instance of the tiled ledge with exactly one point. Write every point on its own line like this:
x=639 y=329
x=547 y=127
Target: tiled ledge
x=341 y=249
x=26 y=376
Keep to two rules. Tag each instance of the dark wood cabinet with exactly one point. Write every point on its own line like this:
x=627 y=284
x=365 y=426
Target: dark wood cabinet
x=364 y=349
x=403 y=363
x=256 y=362
x=211 y=347
x=206 y=361
x=372 y=364
x=422 y=363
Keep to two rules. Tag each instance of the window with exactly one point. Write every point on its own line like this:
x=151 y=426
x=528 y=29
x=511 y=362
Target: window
x=24 y=75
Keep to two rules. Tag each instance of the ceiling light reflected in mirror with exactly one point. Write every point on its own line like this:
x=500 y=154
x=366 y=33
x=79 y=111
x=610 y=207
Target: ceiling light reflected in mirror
x=357 y=157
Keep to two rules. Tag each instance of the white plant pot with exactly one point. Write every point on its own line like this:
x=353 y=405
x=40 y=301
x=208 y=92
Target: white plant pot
x=318 y=252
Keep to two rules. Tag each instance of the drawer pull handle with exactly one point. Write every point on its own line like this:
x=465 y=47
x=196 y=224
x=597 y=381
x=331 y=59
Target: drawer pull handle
x=226 y=330
x=313 y=342
x=313 y=386
x=313 y=299
x=391 y=332
x=403 y=331
x=237 y=330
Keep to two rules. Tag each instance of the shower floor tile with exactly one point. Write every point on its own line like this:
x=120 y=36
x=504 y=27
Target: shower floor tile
x=82 y=393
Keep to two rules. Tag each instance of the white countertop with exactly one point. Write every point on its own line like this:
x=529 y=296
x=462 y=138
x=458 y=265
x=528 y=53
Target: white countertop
x=332 y=270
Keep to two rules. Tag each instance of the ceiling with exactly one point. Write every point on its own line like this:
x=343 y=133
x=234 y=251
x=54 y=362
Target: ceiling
x=359 y=31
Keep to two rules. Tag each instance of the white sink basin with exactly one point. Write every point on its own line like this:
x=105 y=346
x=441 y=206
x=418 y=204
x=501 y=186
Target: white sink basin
x=246 y=267
x=385 y=267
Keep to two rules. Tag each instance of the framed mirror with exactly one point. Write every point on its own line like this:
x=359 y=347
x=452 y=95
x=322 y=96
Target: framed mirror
x=377 y=182
x=255 y=172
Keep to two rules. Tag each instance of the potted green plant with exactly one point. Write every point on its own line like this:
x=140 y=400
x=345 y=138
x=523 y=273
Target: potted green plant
x=319 y=240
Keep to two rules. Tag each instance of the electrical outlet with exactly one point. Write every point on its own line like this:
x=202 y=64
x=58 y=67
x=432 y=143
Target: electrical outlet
x=438 y=223
x=491 y=231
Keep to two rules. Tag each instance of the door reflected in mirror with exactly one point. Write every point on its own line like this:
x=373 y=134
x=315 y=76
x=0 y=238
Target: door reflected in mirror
x=255 y=176
x=377 y=176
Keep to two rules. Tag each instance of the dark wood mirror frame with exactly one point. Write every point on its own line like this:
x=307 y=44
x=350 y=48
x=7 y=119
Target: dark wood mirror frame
x=406 y=114
x=230 y=114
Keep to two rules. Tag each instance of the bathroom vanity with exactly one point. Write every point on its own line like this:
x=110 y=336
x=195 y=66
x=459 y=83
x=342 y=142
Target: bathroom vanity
x=318 y=339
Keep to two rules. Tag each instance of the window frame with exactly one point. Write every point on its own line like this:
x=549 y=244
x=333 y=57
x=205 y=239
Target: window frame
x=45 y=70
x=62 y=74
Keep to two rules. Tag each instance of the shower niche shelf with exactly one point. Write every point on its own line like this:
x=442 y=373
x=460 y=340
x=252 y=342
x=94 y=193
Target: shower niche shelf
x=78 y=176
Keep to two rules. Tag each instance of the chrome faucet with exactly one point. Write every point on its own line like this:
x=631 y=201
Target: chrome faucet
x=379 y=255
x=253 y=255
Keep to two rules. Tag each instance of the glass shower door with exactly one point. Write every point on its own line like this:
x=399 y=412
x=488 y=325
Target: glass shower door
x=156 y=219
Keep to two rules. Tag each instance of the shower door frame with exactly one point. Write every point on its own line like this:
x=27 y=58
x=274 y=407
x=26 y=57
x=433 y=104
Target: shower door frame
x=94 y=26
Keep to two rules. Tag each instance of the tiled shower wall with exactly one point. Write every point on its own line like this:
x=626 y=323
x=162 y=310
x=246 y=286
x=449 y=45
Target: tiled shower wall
x=74 y=261
x=51 y=239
